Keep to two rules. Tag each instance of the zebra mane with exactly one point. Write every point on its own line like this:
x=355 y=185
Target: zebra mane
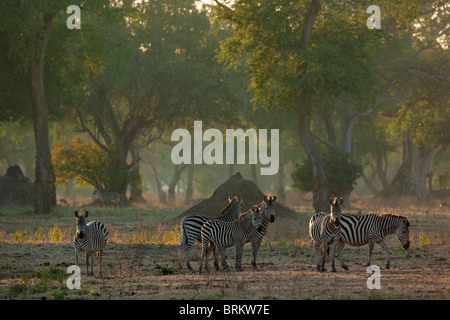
x=243 y=214
x=222 y=212
x=395 y=215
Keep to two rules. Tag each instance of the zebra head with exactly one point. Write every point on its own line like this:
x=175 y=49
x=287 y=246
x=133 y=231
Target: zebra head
x=335 y=209
x=81 y=224
x=269 y=211
x=232 y=209
x=257 y=217
x=402 y=232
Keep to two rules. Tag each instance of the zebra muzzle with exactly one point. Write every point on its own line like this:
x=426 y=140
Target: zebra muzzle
x=272 y=218
x=406 y=245
x=80 y=235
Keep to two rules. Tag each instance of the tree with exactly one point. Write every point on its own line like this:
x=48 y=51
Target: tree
x=303 y=56
x=423 y=120
x=88 y=163
x=416 y=82
x=27 y=27
x=340 y=171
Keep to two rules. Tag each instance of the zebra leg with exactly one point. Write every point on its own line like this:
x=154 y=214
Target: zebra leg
x=224 y=260
x=216 y=261
x=371 y=245
x=339 y=248
x=333 y=250
x=318 y=248
x=324 y=254
x=255 y=247
x=388 y=253
x=188 y=249
x=239 y=249
x=76 y=257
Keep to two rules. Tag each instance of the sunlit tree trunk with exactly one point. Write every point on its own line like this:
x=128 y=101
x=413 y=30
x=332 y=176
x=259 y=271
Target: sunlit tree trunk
x=44 y=189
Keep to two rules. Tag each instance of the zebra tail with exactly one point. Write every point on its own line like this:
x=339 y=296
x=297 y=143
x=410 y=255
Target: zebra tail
x=328 y=251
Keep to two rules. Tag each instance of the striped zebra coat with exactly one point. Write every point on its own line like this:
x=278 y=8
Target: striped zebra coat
x=324 y=229
x=359 y=230
x=90 y=238
x=255 y=237
x=227 y=234
x=191 y=227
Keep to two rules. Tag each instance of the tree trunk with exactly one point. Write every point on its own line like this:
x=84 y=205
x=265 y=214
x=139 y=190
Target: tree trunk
x=190 y=185
x=44 y=189
x=173 y=183
x=135 y=192
x=369 y=184
x=120 y=164
x=411 y=177
x=320 y=186
x=153 y=165
x=382 y=169
x=280 y=176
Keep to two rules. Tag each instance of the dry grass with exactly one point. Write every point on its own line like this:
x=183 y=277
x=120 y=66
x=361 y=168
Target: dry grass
x=141 y=262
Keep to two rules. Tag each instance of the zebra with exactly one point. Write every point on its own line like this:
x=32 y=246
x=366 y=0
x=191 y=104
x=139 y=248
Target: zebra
x=227 y=234
x=191 y=227
x=255 y=237
x=267 y=216
x=90 y=238
x=324 y=229
x=359 y=230
x=107 y=197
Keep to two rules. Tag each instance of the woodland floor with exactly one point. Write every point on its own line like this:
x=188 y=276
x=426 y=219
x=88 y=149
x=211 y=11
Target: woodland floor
x=33 y=264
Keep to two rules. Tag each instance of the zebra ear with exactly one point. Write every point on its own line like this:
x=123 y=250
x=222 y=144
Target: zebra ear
x=76 y=213
x=265 y=198
x=274 y=198
x=86 y=213
x=331 y=201
x=342 y=201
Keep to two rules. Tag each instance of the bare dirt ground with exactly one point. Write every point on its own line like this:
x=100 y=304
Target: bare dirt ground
x=37 y=269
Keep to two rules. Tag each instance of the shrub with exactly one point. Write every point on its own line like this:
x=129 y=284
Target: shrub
x=340 y=171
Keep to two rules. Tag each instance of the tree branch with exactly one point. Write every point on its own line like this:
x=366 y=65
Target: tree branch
x=86 y=129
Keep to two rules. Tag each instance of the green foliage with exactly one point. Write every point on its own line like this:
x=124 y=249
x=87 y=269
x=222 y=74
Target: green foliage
x=52 y=273
x=425 y=113
x=90 y=164
x=267 y=39
x=340 y=171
